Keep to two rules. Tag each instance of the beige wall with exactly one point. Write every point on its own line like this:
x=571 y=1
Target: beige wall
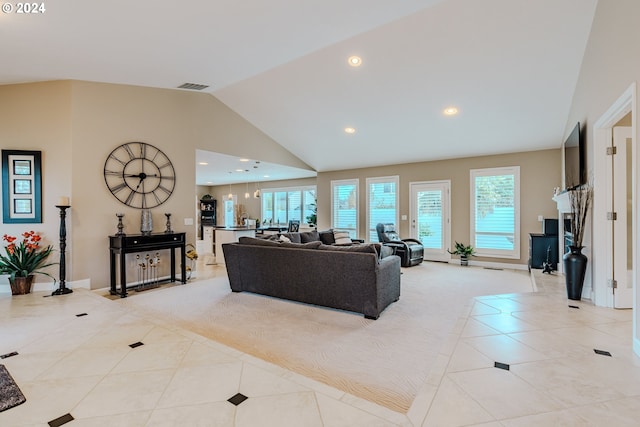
x=539 y=174
x=611 y=64
x=76 y=125
x=38 y=117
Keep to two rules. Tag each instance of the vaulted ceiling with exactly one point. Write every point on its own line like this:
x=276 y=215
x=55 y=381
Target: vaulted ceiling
x=509 y=66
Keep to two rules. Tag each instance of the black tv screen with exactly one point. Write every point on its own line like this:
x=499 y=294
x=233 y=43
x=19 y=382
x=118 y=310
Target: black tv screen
x=574 y=159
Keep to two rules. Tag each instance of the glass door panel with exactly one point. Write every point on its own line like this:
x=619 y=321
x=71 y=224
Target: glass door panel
x=430 y=218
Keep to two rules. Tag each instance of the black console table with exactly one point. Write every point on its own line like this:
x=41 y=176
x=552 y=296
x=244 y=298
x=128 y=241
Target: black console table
x=132 y=243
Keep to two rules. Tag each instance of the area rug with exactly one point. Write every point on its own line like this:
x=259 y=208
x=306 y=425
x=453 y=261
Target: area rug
x=385 y=361
x=10 y=394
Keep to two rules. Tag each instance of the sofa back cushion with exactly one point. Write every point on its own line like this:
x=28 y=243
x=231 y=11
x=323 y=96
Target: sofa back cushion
x=370 y=248
x=293 y=237
x=246 y=240
x=308 y=245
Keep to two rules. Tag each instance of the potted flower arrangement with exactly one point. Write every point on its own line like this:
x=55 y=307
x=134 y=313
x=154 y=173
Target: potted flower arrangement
x=23 y=260
x=464 y=251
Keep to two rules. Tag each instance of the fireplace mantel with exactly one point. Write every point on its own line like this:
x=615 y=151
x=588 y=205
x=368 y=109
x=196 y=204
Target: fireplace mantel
x=564 y=203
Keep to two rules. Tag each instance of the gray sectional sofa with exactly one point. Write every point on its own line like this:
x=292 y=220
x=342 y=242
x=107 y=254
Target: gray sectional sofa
x=353 y=278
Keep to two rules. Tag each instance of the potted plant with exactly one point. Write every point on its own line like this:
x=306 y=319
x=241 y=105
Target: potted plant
x=575 y=262
x=464 y=251
x=23 y=260
x=312 y=219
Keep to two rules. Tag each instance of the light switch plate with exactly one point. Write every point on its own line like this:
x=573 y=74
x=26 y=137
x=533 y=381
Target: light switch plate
x=403 y=217
x=188 y=221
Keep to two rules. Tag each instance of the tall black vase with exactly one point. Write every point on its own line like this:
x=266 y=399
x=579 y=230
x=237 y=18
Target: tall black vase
x=575 y=266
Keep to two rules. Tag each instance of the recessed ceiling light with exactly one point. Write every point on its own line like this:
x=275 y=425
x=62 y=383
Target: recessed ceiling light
x=450 y=111
x=239 y=170
x=203 y=163
x=265 y=176
x=354 y=61
x=349 y=130
x=244 y=160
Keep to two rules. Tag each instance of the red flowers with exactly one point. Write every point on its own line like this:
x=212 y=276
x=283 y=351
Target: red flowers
x=26 y=257
x=30 y=240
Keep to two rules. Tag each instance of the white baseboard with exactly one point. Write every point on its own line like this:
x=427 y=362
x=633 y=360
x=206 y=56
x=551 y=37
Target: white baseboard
x=5 y=288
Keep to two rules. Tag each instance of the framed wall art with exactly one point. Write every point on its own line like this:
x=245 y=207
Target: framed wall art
x=21 y=186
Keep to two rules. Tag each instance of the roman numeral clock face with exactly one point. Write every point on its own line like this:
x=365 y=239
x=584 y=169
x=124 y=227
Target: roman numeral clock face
x=139 y=175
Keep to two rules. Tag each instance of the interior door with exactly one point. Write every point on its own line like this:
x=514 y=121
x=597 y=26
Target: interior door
x=430 y=222
x=621 y=197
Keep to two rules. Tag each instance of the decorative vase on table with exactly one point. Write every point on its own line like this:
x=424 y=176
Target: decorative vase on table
x=146 y=222
x=21 y=285
x=575 y=266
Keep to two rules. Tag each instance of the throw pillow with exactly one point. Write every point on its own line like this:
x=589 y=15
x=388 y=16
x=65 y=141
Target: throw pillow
x=326 y=237
x=284 y=239
x=342 y=238
x=309 y=236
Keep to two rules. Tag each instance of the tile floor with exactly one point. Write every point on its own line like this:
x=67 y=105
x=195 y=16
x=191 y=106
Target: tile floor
x=85 y=366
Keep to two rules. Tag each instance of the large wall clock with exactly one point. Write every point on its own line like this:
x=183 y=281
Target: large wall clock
x=139 y=175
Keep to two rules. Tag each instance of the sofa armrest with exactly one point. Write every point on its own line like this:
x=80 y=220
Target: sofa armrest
x=387 y=286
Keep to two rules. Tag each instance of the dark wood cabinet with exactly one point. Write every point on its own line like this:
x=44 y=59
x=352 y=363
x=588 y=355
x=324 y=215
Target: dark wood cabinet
x=539 y=245
x=207 y=214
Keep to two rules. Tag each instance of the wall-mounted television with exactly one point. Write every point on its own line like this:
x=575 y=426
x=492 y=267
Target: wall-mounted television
x=574 y=159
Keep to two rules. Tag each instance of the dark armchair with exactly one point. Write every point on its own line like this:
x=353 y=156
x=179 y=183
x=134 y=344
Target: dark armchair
x=410 y=251
x=294 y=226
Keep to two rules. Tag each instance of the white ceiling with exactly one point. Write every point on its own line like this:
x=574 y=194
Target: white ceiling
x=218 y=169
x=509 y=66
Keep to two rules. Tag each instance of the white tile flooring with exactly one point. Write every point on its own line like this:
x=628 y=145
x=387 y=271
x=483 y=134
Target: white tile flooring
x=84 y=366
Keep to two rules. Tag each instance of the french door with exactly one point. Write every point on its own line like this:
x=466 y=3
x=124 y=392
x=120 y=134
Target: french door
x=430 y=222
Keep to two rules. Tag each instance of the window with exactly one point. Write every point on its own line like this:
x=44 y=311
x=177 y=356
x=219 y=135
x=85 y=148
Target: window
x=495 y=212
x=382 y=204
x=344 y=206
x=281 y=205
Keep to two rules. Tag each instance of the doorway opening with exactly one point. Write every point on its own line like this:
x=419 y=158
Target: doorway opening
x=430 y=206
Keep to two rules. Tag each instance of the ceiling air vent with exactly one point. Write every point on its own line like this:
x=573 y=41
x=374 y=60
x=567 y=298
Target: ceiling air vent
x=192 y=86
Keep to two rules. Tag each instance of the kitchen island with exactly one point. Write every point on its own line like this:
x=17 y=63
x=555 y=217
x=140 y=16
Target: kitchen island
x=229 y=235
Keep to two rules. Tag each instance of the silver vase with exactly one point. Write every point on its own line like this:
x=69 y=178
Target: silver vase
x=146 y=222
